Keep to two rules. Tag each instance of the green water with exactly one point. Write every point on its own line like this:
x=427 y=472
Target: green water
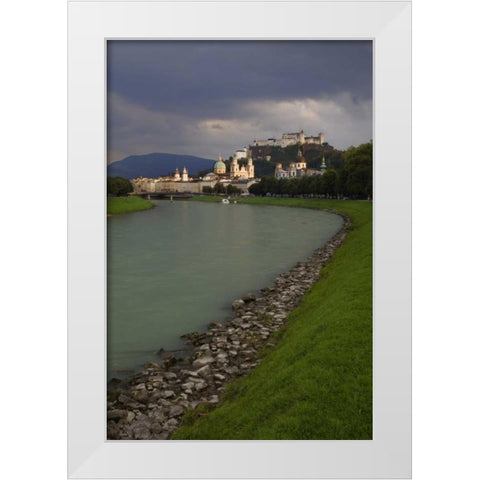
x=177 y=267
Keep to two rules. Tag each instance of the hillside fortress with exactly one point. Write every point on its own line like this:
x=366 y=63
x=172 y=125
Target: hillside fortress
x=297 y=138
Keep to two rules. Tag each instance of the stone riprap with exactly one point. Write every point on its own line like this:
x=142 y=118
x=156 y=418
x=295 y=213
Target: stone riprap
x=150 y=405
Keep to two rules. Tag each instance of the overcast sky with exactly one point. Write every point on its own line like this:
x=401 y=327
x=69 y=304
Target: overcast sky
x=207 y=98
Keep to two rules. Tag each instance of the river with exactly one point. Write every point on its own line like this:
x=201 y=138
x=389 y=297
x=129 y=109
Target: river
x=177 y=267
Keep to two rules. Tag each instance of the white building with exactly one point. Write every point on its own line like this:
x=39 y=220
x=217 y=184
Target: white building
x=241 y=153
x=298 y=168
x=291 y=139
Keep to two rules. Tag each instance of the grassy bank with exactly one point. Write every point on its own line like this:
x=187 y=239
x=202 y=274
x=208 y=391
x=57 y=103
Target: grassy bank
x=316 y=383
x=116 y=205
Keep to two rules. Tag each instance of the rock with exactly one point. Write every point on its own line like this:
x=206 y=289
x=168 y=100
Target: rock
x=176 y=411
x=141 y=396
x=237 y=304
x=200 y=386
x=167 y=394
x=141 y=431
x=202 y=361
x=204 y=371
x=117 y=414
x=171 y=424
x=249 y=297
x=156 y=428
x=124 y=399
x=113 y=431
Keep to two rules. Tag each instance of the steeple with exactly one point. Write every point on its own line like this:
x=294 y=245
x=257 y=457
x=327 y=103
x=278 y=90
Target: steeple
x=323 y=166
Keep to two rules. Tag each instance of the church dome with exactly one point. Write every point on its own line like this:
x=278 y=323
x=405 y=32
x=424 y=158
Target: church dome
x=219 y=164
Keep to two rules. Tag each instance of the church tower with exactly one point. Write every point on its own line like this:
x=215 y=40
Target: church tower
x=234 y=167
x=176 y=177
x=250 y=167
x=301 y=163
x=185 y=174
x=323 y=166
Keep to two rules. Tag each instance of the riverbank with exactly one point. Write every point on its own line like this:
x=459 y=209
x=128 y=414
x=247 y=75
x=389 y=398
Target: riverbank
x=312 y=382
x=118 y=205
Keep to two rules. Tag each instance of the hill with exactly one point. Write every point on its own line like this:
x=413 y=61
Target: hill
x=154 y=165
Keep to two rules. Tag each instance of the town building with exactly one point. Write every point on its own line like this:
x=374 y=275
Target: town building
x=298 y=168
x=240 y=176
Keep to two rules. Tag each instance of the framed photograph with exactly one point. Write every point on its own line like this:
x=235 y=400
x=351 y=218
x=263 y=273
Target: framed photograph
x=212 y=332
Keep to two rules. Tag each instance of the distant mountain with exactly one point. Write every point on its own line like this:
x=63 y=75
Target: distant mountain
x=155 y=165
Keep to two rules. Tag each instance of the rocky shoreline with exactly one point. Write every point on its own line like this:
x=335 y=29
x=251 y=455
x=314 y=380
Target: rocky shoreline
x=150 y=405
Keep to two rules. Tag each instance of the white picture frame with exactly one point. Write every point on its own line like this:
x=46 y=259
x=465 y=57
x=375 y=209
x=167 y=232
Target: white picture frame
x=90 y=455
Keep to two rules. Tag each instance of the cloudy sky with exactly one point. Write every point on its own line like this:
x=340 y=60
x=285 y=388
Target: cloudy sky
x=207 y=98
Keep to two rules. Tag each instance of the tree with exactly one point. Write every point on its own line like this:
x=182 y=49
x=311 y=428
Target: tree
x=207 y=189
x=359 y=171
x=118 y=186
x=219 y=188
x=330 y=182
x=232 y=189
x=255 y=189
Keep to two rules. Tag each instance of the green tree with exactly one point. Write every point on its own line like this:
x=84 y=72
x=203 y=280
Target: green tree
x=207 y=189
x=219 y=188
x=118 y=186
x=359 y=171
x=232 y=189
x=255 y=189
x=330 y=182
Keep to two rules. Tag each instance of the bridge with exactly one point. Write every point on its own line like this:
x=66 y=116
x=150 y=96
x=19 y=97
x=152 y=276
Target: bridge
x=163 y=195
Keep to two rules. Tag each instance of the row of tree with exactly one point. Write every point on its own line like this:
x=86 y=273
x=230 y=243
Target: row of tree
x=219 y=188
x=353 y=179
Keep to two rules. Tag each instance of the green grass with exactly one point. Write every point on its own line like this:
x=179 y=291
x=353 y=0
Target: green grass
x=116 y=205
x=316 y=383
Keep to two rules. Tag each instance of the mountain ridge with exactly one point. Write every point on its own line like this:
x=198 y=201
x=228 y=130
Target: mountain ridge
x=152 y=165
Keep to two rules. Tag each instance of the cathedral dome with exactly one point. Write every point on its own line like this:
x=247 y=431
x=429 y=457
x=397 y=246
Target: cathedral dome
x=219 y=166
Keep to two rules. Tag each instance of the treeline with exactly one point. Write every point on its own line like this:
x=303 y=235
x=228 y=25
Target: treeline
x=118 y=186
x=219 y=188
x=353 y=179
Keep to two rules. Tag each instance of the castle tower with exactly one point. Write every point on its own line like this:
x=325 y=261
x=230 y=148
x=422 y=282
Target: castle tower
x=234 y=170
x=321 y=136
x=301 y=137
x=250 y=167
x=185 y=174
x=176 y=177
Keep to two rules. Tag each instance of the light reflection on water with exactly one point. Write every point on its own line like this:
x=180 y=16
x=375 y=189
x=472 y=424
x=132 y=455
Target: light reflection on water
x=177 y=267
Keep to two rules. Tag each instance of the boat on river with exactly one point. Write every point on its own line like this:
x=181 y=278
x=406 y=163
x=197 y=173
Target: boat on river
x=225 y=200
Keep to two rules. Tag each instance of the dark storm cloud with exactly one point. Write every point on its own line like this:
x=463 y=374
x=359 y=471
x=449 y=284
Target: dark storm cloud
x=210 y=77
x=206 y=97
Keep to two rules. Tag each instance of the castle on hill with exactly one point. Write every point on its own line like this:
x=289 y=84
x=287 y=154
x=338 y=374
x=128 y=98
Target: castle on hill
x=291 y=139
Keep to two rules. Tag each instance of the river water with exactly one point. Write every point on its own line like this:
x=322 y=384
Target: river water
x=177 y=267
